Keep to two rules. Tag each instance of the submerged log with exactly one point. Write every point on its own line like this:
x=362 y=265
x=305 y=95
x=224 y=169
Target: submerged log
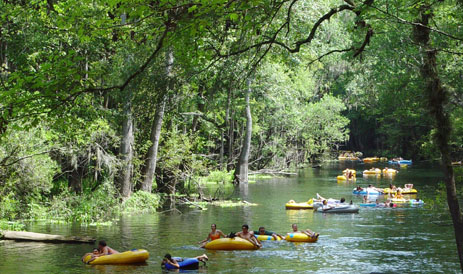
x=40 y=237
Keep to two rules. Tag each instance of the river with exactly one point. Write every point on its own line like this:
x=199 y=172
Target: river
x=400 y=240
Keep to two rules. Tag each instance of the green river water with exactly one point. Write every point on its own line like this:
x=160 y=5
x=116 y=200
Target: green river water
x=399 y=240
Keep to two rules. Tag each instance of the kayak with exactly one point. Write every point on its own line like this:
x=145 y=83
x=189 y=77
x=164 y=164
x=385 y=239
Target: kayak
x=366 y=191
x=134 y=256
x=340 y=209
x=293 y=205
x=268 y=238
x=184 y=263
x=236 y=243
x=300 y=237
x=383 y=159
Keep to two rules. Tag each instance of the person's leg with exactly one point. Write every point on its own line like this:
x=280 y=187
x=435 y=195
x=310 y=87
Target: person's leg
x=202 y=258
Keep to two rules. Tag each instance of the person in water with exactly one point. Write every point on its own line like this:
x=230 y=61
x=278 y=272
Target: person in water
x=213 y=235
x=326 y=206
x=105 y=249
x=399 y=195
x=307 y=232
x=262 y=231
x=94 y=254
x=245 y=234
x=174 y=262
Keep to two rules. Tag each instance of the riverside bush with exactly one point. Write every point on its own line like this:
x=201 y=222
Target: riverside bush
x=142 y=202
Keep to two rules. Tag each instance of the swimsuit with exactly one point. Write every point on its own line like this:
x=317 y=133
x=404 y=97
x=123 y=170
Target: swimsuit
x=215 y=237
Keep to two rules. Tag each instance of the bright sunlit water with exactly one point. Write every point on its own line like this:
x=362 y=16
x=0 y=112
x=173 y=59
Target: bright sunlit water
x=400 y=240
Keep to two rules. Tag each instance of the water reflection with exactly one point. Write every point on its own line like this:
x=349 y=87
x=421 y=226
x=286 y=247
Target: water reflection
x=391 y=240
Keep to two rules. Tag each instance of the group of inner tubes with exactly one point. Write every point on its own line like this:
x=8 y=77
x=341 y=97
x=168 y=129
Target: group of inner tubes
x=242 y=240
x=216 y=240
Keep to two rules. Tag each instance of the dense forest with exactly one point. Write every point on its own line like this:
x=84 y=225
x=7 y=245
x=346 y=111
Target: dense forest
x=119 y=104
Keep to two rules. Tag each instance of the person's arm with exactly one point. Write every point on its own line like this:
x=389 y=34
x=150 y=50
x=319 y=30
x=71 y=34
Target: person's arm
x=104 y=252
x=255 y=241
x=207 y=239
x=221 y=234
x=173 y=262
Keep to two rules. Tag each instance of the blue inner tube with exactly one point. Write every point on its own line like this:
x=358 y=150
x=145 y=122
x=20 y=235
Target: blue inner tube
x=408 y=162
x=369 y=204
x=187 y=263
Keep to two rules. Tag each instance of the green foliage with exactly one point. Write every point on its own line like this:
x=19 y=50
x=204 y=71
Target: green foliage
x=141 y=202
x=12 y=226
x=219 y=177
x=27 y=169
x=99 y=205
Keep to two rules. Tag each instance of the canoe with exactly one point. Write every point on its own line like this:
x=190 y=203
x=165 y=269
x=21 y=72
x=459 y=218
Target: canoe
x=294 y=205
x=366 y=191
x=268 y=238
x=340 y=209
x=403 y=191
x=184 y=263
x=134 y=256
x=236 y=243
x=300 y=237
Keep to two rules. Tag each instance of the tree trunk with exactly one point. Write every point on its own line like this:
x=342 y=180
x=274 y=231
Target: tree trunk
x=151 y=160
x=127 y=148
x=75 y=179
x=241 y=172
x=156 y=127
x=437 y=98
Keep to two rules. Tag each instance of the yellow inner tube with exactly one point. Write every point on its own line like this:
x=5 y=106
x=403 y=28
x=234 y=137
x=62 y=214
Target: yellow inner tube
x=236 y=243
x=404 y=191
x=376 y=171
x=268 y=238
x=293 y=205
x=390 y=171
x=351 y=170
x=128 y=257
x=300 y=237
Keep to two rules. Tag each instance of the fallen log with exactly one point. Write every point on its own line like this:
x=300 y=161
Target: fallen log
x=40 y=237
